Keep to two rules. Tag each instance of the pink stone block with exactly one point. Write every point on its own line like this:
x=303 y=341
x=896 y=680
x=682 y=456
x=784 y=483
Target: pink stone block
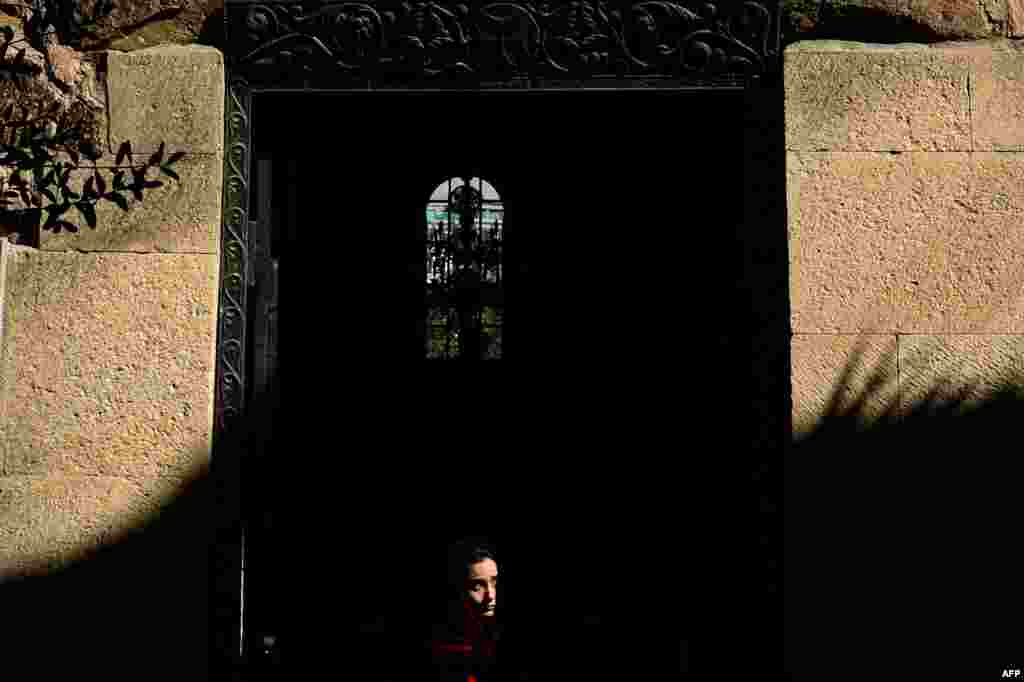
x=848 y=221
x=850 y=375
x=963 y=254
x=854 y=97
x=997 y=97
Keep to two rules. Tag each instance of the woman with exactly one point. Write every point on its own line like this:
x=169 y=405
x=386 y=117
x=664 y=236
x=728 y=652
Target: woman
x=465 y=647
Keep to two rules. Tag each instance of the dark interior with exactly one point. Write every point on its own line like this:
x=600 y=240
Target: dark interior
x=598 y=453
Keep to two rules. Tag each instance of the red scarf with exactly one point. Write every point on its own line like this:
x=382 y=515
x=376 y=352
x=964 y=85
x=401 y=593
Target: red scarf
x=473 y=643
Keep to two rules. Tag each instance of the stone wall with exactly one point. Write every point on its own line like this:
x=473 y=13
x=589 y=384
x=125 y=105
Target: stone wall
x=905 y=201
x=893 y=21
x=107 y=347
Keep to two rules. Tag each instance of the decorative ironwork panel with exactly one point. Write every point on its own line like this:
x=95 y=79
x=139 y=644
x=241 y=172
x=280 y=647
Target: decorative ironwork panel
x=465 y=232
x=227 y=551
x=477 y=43
x=234 y=254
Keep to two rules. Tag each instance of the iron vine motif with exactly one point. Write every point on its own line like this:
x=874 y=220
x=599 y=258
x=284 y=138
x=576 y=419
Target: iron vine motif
x=394 y=41
x=234 y=257
x=228 y=549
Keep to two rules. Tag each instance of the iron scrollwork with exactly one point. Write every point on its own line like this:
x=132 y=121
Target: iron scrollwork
x=234 y=256
x=397 y=41
x=228 y=550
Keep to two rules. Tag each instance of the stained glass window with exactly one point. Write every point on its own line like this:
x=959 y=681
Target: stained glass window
x=465 y=224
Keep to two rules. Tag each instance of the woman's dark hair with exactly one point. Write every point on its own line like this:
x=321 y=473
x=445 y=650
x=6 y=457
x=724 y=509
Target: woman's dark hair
x=464 y=553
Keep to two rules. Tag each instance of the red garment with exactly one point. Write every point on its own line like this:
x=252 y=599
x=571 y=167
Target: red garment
x=467 y=644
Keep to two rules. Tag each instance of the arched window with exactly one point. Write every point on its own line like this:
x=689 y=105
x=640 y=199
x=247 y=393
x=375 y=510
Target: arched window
x=465 y=219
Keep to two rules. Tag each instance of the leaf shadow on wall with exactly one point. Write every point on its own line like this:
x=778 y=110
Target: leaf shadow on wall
x=902 y=548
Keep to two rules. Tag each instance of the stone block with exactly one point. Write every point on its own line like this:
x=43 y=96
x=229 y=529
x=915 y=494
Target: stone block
x=842 y=375
x=842 y=96
x=1015 y=18
x=962 y=265
x=997 y=94
x=955 y=19
x=848 y=222
x=920 y=242
x=168 y=93
x=965 y=368
x=107 y=364
x=179 y=217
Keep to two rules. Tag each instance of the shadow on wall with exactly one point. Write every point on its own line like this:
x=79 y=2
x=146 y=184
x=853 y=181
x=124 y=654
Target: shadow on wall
x=903 y=550
x=139 y=607
x=901 y=541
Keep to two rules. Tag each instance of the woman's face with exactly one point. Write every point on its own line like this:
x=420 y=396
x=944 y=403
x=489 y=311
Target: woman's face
x=482 y=587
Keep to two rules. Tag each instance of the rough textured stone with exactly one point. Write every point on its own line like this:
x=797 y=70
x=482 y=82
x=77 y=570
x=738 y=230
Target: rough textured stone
x=16 y=225
x=180 y=217
x=996 y=11
x=171 y=93
x=93 y=560
x=962 y=268
x=47 y=522
x=15 y=194
x=894 y=21
x=1015 y=18
x=954 y=19
x=803 y=20
x=65 y=62
x=61 y=87
x=106 y=365
x=849 y=219
x=922 y=242
x=964 y=368
x=859 y=97
x=141 y=24
x=842 y=375
x=67 y=85
x=997 y=90
x=144 y=23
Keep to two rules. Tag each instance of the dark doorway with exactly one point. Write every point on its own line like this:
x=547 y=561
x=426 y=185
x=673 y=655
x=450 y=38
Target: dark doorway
x=597 y=444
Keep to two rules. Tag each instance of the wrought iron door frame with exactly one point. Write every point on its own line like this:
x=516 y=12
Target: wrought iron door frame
x=279 y=65
x=429 y=46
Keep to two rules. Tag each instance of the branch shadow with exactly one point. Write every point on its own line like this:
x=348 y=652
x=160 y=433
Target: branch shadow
x=902 y=548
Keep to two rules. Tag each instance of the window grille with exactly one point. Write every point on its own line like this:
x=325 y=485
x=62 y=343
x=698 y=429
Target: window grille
x=465 y=231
